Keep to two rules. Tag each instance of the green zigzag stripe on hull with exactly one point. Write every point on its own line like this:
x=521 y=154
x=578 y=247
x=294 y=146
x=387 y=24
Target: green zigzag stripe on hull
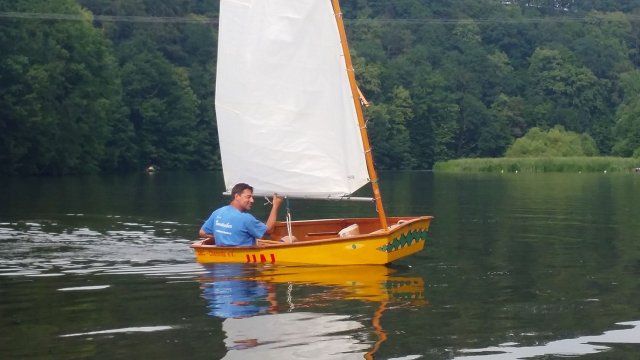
x=404 y=240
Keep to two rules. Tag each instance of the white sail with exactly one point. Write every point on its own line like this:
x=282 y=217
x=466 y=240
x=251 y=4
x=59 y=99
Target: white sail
x=286 y=118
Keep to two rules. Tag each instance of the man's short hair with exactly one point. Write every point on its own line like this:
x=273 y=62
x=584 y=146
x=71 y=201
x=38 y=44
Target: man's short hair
x=239 y=188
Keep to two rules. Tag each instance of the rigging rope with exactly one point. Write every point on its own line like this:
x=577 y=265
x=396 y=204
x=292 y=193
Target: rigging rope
x=288 y=219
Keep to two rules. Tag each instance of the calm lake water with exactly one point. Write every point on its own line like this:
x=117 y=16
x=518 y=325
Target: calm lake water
x=516 y=266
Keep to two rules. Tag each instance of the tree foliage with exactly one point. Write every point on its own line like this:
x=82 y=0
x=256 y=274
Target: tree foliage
x=446 y=79
x=555 y=142
x=627 y=127
x=83 y=96
x=59 y=92
x=484 y=79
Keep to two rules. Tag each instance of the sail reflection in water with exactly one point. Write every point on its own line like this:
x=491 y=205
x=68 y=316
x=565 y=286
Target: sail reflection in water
x=273 y=312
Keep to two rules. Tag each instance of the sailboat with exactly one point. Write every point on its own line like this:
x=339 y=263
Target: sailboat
x=290 y=122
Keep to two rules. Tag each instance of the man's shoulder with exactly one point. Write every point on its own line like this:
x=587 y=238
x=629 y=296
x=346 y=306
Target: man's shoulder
x=229 y=212
x=227 y=209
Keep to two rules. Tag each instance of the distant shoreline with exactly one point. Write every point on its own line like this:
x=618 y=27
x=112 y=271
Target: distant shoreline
x=541 y=164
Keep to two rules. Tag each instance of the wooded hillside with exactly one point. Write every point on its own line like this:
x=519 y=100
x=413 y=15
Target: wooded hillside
x=116 y=85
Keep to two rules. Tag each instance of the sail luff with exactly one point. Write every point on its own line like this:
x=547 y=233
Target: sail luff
x=363 y=128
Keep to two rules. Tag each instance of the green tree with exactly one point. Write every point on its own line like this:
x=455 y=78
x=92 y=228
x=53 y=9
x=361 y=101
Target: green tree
x=564 y=94
x=389 y=132
x=608 y=5
x=447 y=79
x=162 y=108
x=60 y=94
x=627 y=127
x=434 y=128
x=510 y=111
x=554 y=142
x=602 y=46
x=185 y=54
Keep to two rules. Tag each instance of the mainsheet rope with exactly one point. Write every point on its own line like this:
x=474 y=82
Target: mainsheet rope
x=288 y=218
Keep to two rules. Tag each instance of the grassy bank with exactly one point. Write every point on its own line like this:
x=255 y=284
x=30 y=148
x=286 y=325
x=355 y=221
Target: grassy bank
x=542 y=164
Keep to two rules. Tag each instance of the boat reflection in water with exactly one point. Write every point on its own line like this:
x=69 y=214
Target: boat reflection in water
x=281 y=312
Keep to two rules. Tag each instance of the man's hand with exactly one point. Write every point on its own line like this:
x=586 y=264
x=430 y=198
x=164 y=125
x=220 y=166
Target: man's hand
x=277 y=201
x=271 y=221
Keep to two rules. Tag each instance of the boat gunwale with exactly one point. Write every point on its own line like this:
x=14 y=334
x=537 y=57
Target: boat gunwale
x=376 y=234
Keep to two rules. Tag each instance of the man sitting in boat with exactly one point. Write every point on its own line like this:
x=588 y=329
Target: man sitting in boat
x=233 y=225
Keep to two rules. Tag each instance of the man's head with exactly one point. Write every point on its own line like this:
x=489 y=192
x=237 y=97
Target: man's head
x=242 y=196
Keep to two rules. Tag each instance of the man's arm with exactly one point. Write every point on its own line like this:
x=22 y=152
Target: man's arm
x=207 y=229
x=203 y=234
x=209 y=239
x=273 y=215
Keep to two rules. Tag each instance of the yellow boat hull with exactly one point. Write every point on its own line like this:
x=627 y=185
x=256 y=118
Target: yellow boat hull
x=318 y=243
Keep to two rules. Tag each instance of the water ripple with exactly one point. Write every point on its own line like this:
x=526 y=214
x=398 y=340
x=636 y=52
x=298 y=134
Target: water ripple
x=144 y=329
x=114 y=245
x=584 y=345
x=85 y=288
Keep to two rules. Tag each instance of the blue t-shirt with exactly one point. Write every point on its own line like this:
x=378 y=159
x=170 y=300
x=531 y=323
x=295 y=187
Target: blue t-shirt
x=232 y=227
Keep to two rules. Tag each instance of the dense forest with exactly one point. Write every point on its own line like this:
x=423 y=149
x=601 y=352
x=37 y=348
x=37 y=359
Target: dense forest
x=117 y=85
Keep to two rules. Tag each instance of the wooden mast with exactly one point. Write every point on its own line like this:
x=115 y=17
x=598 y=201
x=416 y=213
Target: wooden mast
x=373 y=177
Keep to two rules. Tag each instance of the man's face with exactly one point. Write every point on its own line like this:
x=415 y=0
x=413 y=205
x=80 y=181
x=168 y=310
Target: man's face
x=245 y=200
